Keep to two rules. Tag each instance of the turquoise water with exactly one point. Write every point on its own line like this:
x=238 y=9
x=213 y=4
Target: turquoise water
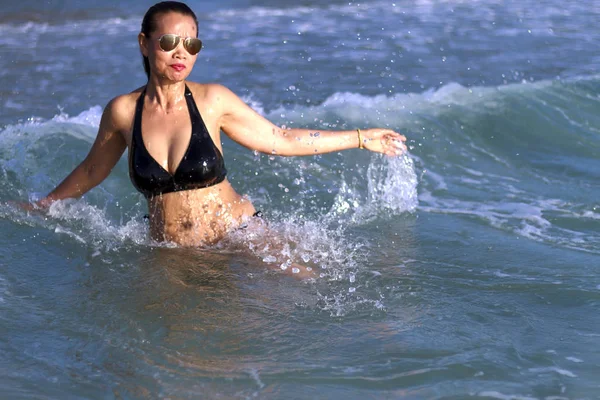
x=468 y=269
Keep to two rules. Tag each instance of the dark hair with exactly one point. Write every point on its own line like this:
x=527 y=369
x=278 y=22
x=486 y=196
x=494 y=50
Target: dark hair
x=164 y=7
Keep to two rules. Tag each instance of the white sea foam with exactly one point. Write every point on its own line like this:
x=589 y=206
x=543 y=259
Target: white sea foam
x=89 y=117
x=109 y=26
x=253 y=13
x=592 y=214
x=400 y=109
x=502 y=396
x=255 y=375
x=35 y=128
x=255 y=104
x=439 y=181
x=557 y=370
x=527 y=217
x=574 y=359
x=4 y=291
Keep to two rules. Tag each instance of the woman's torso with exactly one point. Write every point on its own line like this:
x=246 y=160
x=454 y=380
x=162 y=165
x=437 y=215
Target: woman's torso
x=187 y=217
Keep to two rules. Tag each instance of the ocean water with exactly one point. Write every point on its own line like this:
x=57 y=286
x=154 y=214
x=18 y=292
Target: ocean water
x=467 y=269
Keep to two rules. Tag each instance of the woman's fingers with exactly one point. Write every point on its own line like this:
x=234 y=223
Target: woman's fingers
x=29 y=207
x=385 y=141
x=396 y=143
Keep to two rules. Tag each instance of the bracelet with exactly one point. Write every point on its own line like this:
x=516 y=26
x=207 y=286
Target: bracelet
x=360 y=142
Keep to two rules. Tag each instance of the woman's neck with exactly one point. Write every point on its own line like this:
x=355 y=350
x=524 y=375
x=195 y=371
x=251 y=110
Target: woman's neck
x=167 y=97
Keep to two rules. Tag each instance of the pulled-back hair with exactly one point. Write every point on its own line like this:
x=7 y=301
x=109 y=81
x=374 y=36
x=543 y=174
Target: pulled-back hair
x=164 y=7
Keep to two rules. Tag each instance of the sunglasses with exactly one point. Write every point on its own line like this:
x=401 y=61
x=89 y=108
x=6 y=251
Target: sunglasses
x=170 y=41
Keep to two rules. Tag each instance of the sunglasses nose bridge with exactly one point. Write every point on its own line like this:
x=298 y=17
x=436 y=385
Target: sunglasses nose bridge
x=180 y=50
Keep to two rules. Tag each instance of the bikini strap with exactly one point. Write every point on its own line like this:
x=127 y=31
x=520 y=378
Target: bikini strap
x=193 y=110
x=139 y=107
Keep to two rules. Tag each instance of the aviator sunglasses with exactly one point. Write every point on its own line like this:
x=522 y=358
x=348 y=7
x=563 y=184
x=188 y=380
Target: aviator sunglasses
x=170 y=41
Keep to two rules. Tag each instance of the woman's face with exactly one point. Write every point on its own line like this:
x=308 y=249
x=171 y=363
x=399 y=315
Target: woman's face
x=174 y=65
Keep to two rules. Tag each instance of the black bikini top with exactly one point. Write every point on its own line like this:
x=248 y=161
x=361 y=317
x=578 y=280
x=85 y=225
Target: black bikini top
x=202 y=164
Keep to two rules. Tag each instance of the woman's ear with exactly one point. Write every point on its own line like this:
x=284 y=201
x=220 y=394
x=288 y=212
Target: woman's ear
x=143 y=41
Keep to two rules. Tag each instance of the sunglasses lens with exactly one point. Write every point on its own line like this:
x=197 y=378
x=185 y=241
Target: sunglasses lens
x=168 y=42
x=193 y=45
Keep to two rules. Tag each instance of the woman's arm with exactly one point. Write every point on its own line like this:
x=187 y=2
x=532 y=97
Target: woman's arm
x=103 y=156
x=248 y=128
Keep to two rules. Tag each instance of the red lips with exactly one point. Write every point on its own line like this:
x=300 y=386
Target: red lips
x=178 y=67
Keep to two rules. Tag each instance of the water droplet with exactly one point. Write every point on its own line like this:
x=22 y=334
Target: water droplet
x=269 y=259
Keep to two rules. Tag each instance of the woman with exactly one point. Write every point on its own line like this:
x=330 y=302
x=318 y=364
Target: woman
x=172 y=130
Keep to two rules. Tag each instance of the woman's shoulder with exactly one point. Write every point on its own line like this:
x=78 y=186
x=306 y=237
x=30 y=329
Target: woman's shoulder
x=208 y=91
x=126 y=100
x=121 y=109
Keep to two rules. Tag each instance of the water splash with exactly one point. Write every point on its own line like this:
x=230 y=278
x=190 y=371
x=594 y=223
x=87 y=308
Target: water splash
x=95 y=227
x=286 y=241
x=391 y=191
x=85 y=223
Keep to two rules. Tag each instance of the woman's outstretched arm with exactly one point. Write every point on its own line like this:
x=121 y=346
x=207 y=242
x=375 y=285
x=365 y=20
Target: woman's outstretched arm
x=102 y=157
x=248 y=128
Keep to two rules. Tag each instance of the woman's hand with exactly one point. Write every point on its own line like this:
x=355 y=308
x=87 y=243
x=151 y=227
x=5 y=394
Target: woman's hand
x=38 y=206
x=384 y=141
